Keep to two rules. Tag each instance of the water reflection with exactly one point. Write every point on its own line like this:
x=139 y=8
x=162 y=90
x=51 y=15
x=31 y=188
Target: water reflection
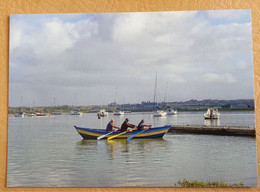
x=212 y=122
x=120 y=147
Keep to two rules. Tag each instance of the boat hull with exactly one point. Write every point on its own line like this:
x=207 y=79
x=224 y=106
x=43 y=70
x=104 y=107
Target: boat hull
x=19 y=115
x=159 y=113
x=215 y=117
x=119 y=113
x=88 y=133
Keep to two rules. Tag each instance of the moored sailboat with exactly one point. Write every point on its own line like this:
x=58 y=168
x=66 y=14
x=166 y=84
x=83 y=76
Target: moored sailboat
x=212 y=113
x=75 y=112
x=171 y=111
x=21 y=114
x=159 y=112
x=118 y=112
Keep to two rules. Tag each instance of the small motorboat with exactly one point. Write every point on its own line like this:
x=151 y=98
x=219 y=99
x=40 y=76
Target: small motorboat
x=102 y=113
x=21 y=114
x=75 y=112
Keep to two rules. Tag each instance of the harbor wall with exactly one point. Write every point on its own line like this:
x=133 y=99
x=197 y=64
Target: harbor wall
x=214 y=130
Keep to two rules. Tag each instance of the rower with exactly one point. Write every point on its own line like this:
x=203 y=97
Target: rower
x=141 y=126
x=110 y=126
x=125 y=125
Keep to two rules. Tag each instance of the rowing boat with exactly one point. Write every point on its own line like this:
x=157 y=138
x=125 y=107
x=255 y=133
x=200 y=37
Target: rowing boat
x=89 y=133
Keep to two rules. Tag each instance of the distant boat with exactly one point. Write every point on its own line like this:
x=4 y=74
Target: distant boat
x=118 y=112
x=56 y=113
x=54 y=106
x=31 y=115
x=21 y=114
x=159 y=113
x=39 y=114
x=171 y=111
x=102 y=113
x=75 y=112
x=212 y=113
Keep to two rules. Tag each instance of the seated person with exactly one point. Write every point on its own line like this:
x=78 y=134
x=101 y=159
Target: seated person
x=141 y=126
x=110 y=126
x=125 y=125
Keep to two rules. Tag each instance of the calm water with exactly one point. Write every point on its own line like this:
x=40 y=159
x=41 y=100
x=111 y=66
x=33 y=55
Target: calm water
x=45 y=151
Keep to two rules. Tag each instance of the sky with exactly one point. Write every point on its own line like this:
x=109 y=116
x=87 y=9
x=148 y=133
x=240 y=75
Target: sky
x=99 y=58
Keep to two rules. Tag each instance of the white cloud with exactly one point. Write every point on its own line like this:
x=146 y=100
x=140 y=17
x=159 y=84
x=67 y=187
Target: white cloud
x=99 y=52
x=218 y=78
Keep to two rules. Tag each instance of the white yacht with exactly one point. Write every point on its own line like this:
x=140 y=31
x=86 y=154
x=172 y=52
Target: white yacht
x=118 y=112
x=159 y=113
x=212 y=113
x=171 y=111
x=75 y=112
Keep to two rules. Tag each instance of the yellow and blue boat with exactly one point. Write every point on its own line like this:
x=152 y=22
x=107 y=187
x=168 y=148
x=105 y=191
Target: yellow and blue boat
x=89 y=133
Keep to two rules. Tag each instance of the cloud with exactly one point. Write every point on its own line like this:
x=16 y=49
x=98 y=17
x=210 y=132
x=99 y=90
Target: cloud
x=92 y=54
x=218 y=78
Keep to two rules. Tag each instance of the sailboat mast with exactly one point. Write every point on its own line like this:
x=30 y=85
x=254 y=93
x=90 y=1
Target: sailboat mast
x=115 y=95
x=155 y=89
x=165 y=93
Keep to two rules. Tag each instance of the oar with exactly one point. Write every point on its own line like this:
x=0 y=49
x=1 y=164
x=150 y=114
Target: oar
x=102 y=136
x=119 y=134
x=128 y=139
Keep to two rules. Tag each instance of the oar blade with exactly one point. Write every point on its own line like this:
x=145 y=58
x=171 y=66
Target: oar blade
x=129 y=138
x=102 y=136
x=120 y=134
x=116 y=135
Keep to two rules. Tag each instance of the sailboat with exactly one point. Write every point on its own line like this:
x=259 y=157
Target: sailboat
x=171 y=111
x=31 y=113
x=75 y=112
x=212 y=113
x=118 y=111
x=159 y=112
x=55 y=112
x=21 y=113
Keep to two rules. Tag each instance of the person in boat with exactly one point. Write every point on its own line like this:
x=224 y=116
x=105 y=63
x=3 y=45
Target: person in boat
x=142 y=127
x=110 y=126
x=126 y=125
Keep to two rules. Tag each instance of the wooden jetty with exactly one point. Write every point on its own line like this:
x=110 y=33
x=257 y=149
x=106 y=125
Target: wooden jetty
x=214 y=130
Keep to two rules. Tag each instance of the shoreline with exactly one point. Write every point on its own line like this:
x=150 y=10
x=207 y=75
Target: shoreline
x=50 y=110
